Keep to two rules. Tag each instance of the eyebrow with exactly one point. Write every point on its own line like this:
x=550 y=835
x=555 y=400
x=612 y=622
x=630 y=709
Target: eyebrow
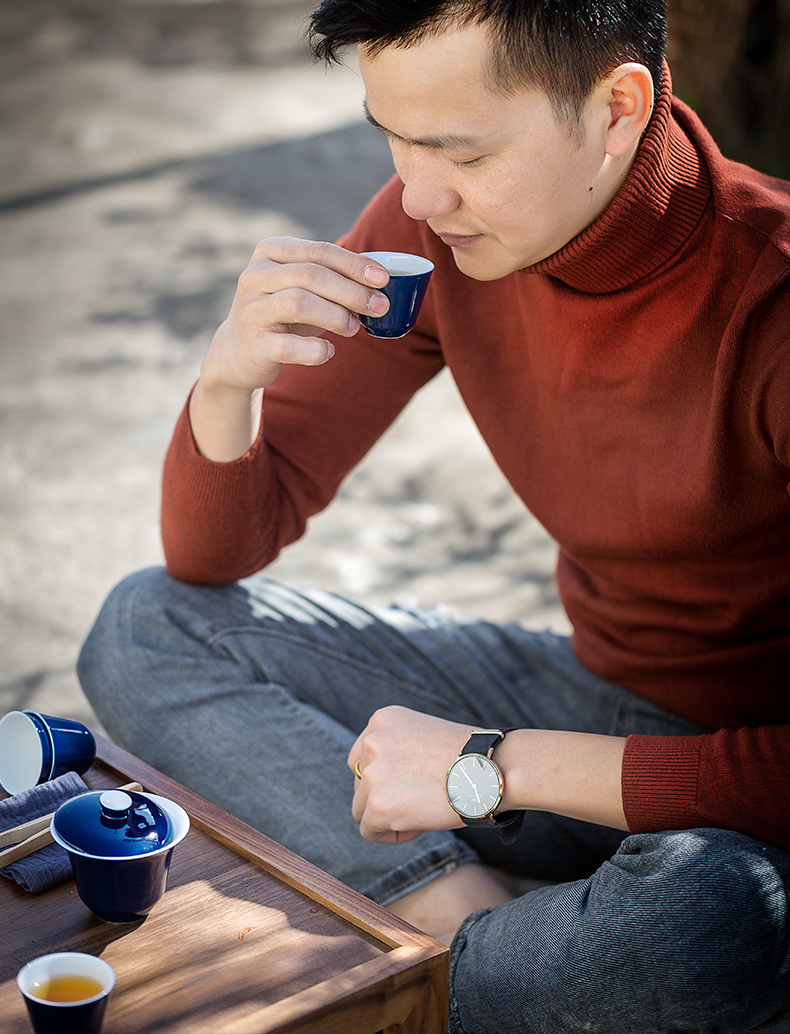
x=443 y=142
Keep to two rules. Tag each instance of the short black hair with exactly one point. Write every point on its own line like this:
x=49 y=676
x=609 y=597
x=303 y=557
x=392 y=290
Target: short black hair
x=564 y=47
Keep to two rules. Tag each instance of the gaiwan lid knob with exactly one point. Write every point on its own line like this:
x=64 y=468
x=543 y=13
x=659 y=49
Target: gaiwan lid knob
x=115 y=804
x=112 y=824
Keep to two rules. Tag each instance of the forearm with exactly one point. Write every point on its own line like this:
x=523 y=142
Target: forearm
x=568 y=773
x=224 y=420
x=401 y=789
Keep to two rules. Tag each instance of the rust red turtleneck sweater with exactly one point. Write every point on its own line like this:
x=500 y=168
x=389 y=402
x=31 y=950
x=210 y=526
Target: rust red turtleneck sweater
x=635 y=390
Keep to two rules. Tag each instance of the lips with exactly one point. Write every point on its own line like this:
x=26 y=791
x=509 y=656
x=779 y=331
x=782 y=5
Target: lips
x=454 y=240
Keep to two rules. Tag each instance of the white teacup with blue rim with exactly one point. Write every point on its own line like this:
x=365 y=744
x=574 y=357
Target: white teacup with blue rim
x=120 y=844
x=408 y=282
x=35 y=748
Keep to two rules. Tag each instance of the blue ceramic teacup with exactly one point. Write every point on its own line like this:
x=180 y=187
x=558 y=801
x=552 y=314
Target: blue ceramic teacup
x=66 y=992
x=73 y=744
x=408 y=282
x=120 y=844
x=25 y=752
x=35 y=748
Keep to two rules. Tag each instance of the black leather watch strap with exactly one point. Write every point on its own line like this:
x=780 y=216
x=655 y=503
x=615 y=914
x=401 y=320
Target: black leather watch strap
x=485 y=741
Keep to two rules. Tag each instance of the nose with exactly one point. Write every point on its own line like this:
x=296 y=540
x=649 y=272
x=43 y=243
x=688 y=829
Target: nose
x=426 y=194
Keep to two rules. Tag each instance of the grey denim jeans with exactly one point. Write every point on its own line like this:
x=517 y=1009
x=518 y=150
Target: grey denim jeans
x=252 y=694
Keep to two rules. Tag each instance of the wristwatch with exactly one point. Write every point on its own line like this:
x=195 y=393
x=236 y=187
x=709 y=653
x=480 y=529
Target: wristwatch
x=475 y=785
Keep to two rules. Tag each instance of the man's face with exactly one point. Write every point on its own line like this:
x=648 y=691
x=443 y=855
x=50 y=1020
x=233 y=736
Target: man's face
x=497 y=177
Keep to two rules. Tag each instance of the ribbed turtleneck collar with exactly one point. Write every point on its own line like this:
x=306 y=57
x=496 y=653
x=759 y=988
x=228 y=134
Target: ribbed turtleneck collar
x=649 y=219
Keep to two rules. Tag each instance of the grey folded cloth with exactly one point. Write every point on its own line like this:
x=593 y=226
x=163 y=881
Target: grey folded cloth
x=50 y=865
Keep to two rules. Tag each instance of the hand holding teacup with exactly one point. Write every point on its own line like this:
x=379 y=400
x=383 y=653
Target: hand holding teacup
x=291 y=294
x=293 y=291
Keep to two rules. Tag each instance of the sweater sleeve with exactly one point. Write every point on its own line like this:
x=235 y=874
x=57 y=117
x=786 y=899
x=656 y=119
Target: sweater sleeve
x=224 y=521
x=735 y=779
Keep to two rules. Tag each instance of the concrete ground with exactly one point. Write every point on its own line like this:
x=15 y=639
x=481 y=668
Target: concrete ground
x=147 y=145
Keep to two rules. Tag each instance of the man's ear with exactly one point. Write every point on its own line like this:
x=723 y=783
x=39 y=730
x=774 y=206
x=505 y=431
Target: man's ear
x=629 y=94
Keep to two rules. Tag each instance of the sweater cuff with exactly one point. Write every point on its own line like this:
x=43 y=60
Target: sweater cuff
x=659 y=782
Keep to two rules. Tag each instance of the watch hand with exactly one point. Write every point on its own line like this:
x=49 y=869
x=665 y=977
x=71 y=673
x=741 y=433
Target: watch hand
x=477 y=795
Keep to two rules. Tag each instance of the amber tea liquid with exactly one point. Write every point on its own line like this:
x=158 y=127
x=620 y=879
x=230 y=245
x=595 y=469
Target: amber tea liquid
x=66 y=987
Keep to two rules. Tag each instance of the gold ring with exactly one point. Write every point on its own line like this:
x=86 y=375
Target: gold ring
x=357 y=772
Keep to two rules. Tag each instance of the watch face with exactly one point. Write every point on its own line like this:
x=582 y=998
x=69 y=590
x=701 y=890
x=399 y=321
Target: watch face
x=474 y=786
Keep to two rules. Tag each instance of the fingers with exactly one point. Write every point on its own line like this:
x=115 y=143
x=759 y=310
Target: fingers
x=290 y=250
x=296 y=305
x=376 y=805
x=291 y=293
x=376 y=822
x=315 y=283
x=292 y=349
x=398 y=782
x=397 y=837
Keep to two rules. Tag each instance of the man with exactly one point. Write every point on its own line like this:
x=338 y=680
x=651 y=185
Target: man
x=613 y=299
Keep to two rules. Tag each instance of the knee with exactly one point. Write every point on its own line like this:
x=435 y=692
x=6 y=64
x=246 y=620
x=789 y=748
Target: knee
x=697 y=919
x=105 y=654
x=678 y=931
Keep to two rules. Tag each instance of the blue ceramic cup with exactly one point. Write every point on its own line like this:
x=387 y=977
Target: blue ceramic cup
x=35 y=748
x=66 y=992
x=408 y=282
x=120 y=845
x=73 y=745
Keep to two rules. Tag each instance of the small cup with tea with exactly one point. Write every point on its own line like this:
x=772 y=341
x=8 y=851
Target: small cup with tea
x=35 y=748
x=408 y=282
x=66 y=993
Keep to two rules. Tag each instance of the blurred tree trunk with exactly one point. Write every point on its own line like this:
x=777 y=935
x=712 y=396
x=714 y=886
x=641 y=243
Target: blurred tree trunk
x=730 y=60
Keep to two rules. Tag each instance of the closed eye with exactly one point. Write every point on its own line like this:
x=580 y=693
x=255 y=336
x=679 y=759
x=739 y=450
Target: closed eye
x=470 y=163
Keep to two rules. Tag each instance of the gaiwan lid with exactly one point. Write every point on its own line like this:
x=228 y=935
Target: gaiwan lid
x=111 y=824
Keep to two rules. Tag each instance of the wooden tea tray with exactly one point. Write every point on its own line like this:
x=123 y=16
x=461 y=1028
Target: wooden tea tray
x=249 y=938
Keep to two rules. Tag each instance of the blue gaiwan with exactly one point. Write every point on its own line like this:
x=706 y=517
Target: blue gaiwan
x=120 y=844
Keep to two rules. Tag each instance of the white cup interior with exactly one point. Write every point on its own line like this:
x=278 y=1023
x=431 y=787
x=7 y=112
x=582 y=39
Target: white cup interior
x=400 y=263
x=179 y=820
x=21 y=756
x=39 y=971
